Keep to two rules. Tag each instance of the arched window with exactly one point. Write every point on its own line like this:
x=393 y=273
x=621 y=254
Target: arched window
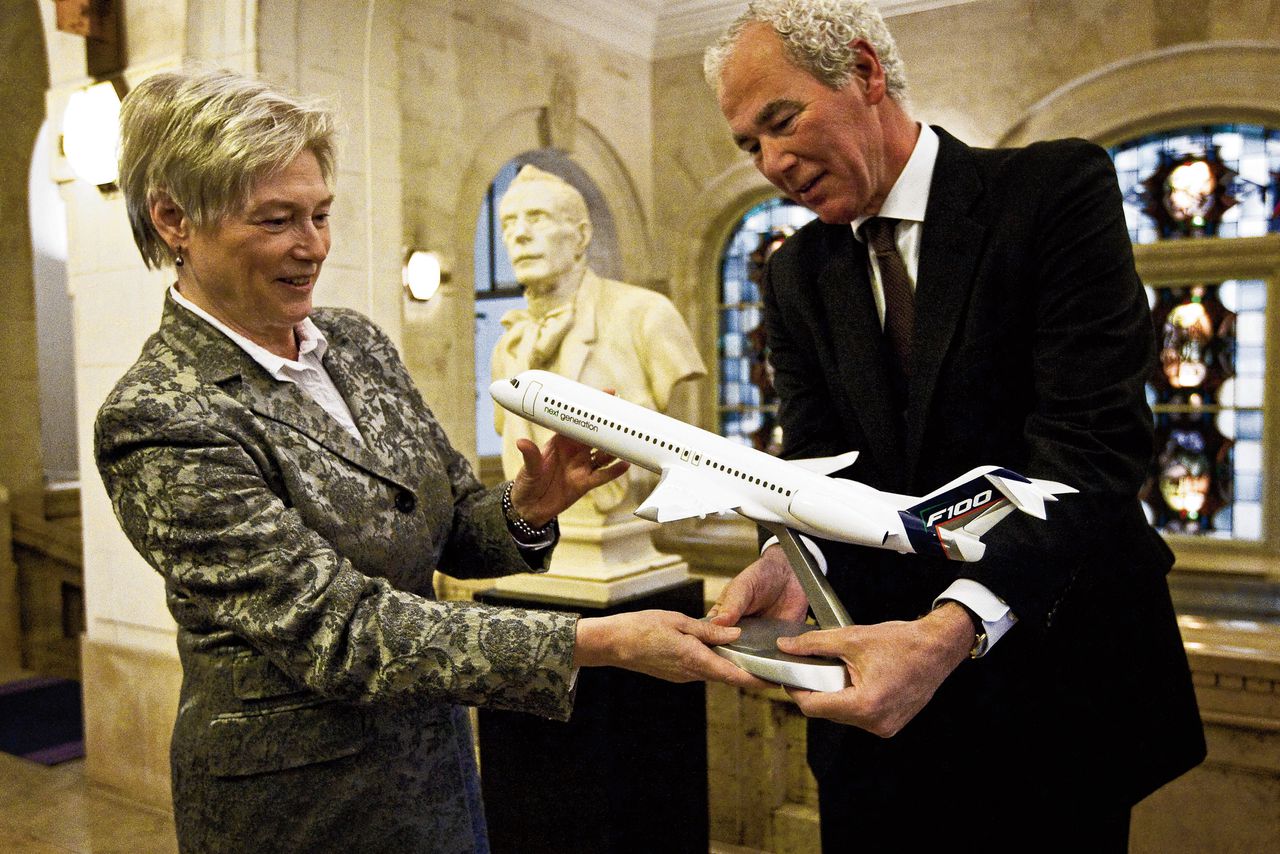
x=747 y=404
x=1205 y=183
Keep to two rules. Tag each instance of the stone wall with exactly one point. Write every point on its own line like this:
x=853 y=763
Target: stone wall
x=50 y=577
x=10 y=604
x=482 y=83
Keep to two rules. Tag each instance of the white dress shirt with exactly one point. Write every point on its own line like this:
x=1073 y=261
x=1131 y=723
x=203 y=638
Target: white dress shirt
x=307 y=372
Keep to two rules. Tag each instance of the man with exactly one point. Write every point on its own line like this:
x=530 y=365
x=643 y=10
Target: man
x=597 y=331
x=1028 y=700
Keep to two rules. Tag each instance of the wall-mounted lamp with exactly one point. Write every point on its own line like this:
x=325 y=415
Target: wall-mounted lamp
x=423 y=274
x=91 y=133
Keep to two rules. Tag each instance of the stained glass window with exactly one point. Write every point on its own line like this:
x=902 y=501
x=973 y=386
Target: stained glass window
x=1203 y=181
x=748 y=406
x=1207 y=396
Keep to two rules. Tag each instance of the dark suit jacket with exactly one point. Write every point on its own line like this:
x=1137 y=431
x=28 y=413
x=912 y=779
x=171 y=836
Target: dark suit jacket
x=1032 y=343
x=320 y=677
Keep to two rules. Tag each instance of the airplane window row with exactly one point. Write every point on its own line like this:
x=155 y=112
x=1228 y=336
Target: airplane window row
x=756 y=480
x=665 y=445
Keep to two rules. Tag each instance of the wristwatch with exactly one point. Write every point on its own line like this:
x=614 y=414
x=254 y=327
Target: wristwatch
x=991 y=616
x=981 y=640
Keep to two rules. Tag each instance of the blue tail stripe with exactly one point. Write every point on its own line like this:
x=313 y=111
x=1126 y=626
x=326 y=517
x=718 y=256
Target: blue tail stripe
x=955 y=502
x=923 y=540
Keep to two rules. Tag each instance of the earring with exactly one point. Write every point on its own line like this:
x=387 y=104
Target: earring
x=177 y=261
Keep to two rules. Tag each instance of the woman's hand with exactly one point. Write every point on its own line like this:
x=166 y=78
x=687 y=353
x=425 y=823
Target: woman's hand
x=556 y=476
x=664 y=644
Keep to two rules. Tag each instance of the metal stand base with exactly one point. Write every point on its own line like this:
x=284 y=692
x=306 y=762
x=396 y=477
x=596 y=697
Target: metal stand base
x=756 y=651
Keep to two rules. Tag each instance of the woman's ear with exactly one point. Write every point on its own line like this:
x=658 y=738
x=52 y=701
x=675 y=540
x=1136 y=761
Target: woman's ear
x=170 y=221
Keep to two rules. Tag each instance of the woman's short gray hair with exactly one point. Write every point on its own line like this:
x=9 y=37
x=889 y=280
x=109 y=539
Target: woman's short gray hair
x=203 y=138
x=817 y=35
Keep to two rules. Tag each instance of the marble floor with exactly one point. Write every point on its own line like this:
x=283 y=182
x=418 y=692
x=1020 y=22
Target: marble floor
x=51 y=810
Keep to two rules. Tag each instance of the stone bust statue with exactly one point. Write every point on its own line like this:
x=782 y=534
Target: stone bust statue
x=600 y=332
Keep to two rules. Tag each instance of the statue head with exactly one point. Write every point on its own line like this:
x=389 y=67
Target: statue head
x=546 y=230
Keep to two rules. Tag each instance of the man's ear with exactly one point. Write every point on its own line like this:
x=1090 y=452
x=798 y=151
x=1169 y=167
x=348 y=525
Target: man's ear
x=584 y=237
x=868 y=70
x=170 y=220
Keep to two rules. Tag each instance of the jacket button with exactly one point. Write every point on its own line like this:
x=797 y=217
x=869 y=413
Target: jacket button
x=405 y=502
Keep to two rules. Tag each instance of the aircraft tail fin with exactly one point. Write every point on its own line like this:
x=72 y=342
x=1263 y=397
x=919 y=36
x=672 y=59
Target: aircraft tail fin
x=950 y=521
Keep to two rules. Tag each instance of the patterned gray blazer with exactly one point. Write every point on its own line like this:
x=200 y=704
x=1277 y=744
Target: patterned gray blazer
x=320 y=678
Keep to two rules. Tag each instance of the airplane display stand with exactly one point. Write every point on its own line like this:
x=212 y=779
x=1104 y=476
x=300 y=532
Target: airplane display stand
x=627 y=772
x=756 y=650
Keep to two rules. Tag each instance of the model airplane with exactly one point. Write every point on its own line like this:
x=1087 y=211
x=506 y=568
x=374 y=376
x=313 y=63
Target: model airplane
x=705 y=474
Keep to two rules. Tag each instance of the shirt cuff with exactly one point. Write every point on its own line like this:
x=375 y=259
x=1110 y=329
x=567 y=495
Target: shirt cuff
x=808 y=544
x=545 y=541
x=996 y=616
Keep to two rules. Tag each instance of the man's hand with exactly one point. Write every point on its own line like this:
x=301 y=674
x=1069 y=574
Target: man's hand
x=766 y=588
x=894 y=668
x=556 y=476
x=664 y=644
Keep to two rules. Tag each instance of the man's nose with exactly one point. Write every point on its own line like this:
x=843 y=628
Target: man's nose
x=775 y=160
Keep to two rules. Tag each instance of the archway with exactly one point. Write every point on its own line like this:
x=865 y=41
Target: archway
x=1139 y=94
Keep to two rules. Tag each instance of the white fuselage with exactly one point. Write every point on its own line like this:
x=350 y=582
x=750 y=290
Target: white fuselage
x=704 y=473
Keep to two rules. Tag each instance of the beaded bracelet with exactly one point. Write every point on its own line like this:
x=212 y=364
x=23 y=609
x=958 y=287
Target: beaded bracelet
x=515 y=521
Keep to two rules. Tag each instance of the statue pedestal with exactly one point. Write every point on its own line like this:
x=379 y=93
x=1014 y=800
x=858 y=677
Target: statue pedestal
x=627 y=773
x=601 y=564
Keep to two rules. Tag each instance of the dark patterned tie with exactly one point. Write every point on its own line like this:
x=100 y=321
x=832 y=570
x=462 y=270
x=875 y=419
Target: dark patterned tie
x=899 y=301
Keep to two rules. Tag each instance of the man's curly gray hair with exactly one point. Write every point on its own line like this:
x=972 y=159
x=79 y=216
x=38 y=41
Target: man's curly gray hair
x=818 y=36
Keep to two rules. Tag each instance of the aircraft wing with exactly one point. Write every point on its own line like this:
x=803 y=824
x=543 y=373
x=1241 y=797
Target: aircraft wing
x=682 y=494
x=826 y=465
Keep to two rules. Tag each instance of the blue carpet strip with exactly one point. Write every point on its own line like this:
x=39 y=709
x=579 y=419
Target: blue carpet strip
x=41 y=720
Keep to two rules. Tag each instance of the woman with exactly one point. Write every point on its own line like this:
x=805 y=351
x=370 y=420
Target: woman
x=277 y=466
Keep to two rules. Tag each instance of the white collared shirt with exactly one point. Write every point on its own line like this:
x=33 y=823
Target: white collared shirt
x=308 y=372
x=906 y=202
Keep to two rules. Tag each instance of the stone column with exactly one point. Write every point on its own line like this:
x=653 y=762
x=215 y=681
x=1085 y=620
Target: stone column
x=10 y=616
